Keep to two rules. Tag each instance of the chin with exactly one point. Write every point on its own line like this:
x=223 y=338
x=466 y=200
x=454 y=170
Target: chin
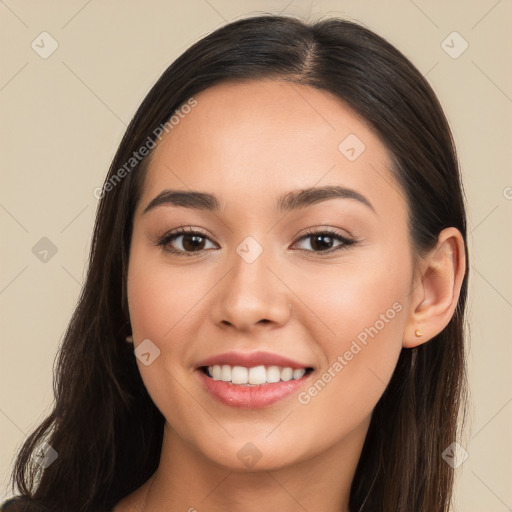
x=241 y=454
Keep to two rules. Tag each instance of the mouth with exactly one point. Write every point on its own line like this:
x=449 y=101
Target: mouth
x=252 y=387
x=253 y=376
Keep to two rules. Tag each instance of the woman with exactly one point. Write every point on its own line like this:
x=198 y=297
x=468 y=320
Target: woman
x=273 y=312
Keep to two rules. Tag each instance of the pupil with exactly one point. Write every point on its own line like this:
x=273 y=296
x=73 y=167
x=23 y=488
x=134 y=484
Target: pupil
x=195 y=244
x=321 y=240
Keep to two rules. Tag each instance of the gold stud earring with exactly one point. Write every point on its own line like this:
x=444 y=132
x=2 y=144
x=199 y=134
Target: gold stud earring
x=418 y=333
x=129 y=339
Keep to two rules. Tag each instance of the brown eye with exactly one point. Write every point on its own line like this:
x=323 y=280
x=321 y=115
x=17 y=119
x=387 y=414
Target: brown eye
x=322 y=241
x=191 y=241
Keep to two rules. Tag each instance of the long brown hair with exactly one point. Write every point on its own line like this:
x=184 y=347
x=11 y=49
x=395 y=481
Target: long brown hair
x=105 y=428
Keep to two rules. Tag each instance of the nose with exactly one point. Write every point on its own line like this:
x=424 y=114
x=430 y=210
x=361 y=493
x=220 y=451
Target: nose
x=251 y=295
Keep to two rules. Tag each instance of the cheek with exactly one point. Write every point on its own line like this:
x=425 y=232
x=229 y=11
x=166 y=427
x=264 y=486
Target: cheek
x=360 y=316
x=165 y=303
x=159 y=297
x=364 y=291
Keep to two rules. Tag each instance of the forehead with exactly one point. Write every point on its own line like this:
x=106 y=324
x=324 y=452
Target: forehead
x=261 y=138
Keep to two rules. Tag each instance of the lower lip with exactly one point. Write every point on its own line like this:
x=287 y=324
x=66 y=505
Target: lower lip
x=252 y=397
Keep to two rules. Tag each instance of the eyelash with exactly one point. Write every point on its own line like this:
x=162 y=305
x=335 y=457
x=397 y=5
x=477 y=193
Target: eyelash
x=164 y=241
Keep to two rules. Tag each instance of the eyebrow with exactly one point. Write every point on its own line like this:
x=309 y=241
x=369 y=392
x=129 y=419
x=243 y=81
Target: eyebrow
x=296 y=199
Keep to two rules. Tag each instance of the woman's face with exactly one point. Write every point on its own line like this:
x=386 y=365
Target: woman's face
x=261 y=280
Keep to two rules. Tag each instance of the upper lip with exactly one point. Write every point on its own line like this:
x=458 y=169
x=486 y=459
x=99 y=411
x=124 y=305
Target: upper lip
x=251 y=359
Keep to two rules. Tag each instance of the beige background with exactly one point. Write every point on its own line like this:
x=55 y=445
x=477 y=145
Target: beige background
x=62 y=118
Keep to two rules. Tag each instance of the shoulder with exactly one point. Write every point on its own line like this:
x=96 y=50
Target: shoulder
x=19 y=504
x=11 y=505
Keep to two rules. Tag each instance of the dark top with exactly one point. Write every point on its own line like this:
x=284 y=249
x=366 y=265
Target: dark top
x=11 y=505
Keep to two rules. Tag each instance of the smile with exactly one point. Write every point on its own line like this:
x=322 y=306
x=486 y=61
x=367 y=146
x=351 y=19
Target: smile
x=254 y=387
x=254 y=376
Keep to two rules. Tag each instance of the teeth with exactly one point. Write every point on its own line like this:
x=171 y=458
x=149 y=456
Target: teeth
x=239 y=375
x=226 y=373
x=297 y=374
x=273 y=374
x=255 y=376
x=215 y=372
x=286 y=374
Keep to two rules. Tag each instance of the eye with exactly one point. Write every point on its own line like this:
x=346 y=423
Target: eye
x=194 y=241
x=191 y=240
x=321 y=241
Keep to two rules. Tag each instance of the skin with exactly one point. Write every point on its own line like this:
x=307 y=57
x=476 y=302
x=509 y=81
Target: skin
x=249 y=143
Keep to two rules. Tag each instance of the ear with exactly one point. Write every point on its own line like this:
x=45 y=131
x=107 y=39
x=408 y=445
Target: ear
x=436 y=288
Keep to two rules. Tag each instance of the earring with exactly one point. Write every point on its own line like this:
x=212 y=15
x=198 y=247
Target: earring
x=418 y=333
x=129 y=339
